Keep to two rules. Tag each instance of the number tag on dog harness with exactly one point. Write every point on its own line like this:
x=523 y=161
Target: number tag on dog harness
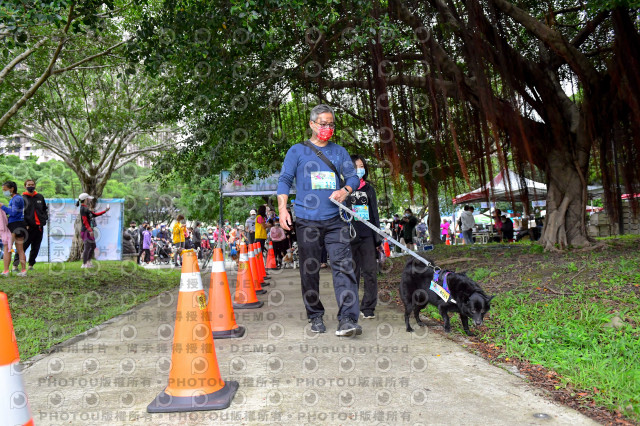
x=439 y=290
x=444 y=295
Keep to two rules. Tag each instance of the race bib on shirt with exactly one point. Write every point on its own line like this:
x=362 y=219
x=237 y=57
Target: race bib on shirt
x=362 y=211
x=323 y=180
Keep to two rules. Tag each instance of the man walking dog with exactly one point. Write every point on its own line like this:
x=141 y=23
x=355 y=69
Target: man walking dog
x=318 y=165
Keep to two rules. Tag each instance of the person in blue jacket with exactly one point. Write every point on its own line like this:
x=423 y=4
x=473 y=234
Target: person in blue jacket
x=319 y=166
x=17 y=225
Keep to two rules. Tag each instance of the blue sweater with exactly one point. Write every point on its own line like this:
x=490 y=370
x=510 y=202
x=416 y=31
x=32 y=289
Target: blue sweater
x=15 y=211
x=313 y=178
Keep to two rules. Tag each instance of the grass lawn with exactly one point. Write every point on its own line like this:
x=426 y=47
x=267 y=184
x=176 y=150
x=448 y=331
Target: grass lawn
x=60 y=300
x=576 y=313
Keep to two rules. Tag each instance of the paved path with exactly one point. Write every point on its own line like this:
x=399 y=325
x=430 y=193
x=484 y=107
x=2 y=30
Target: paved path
x=286 y=373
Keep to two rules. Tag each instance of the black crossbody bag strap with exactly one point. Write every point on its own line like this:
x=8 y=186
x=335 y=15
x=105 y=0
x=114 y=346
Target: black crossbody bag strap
x=326 y=161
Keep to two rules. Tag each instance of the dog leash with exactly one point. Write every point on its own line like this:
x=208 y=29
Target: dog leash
x=383 y=234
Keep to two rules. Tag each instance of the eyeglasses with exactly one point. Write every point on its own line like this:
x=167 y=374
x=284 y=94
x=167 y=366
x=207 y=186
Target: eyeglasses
x=326 y=125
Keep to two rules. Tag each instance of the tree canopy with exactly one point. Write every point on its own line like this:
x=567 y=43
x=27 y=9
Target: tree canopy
x=436 y=89
x=39 y=40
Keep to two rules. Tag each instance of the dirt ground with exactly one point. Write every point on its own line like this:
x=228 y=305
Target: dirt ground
x=513 y=268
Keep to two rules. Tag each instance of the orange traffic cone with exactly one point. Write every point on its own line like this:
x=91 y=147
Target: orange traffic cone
x=255 y=269
x=387 y=250
x=220 y=309
x=271 y=258
x=261 y=264
x=256 y=254
x=194 y=379
x=14 y=405
x=448 y=242
x=245 y=297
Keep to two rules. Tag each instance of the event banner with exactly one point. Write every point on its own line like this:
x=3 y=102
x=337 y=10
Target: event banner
x=258 y=186
x=59 y=231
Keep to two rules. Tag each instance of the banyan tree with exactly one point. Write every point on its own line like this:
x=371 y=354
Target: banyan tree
x=448 y=86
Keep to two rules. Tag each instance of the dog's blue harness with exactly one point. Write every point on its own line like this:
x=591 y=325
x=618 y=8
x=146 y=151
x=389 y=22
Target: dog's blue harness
x=436 y=277
x=444 y=282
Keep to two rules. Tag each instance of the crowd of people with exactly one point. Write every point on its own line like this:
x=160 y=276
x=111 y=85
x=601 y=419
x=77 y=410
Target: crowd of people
x=21 y=224
x=261 y=226
x=504 y=229
x=408 y=228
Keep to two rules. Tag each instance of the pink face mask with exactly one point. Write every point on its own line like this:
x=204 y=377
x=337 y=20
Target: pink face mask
x=325 y=133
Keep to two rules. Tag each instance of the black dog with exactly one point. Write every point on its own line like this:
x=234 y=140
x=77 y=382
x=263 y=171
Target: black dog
x=470 y=299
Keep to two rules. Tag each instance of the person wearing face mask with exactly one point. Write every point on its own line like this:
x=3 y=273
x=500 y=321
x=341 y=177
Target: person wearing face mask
x=197 y=239
x=322 y=170
x=140 y=230
x=87 y=216
x=396 y=230
x=135 y=238
x=16 y=224
x=261 y=226
x=178 y=239
x=163 y=234
x=363 y=244
x=220 y=237
x=410 y=222
x=36 y=215
x=250 y=227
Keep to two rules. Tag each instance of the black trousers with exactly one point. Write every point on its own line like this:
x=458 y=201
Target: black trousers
x=333 y=234
x=280 y=250
x=33 y=240
x=363 y=251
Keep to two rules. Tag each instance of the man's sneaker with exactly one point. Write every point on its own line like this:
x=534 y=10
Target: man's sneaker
x=84 y=265
x=16 y=269
x=22 y=274
x=348 y=327
x=31 y=268
x=367 y=316
x=317 y=325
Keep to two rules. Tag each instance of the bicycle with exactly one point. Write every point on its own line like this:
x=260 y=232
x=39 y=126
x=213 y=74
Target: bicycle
x=207 y=255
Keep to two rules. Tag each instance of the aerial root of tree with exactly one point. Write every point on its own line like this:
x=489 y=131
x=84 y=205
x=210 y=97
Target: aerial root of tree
x=556 y=227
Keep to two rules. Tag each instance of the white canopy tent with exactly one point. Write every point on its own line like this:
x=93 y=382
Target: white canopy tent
x=506 y=186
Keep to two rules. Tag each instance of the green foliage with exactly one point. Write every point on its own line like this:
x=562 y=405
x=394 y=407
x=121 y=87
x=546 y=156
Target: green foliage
x=599 y=5
x=144 y=198
x=480 y=274
x=536 y=249
x=571 y=267
x=57 y=36
x=576 y=343
x=583 y=326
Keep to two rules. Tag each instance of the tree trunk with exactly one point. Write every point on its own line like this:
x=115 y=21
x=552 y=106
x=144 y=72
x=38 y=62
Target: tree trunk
x=433 y=203
x=564 y=224
x=77 y=246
